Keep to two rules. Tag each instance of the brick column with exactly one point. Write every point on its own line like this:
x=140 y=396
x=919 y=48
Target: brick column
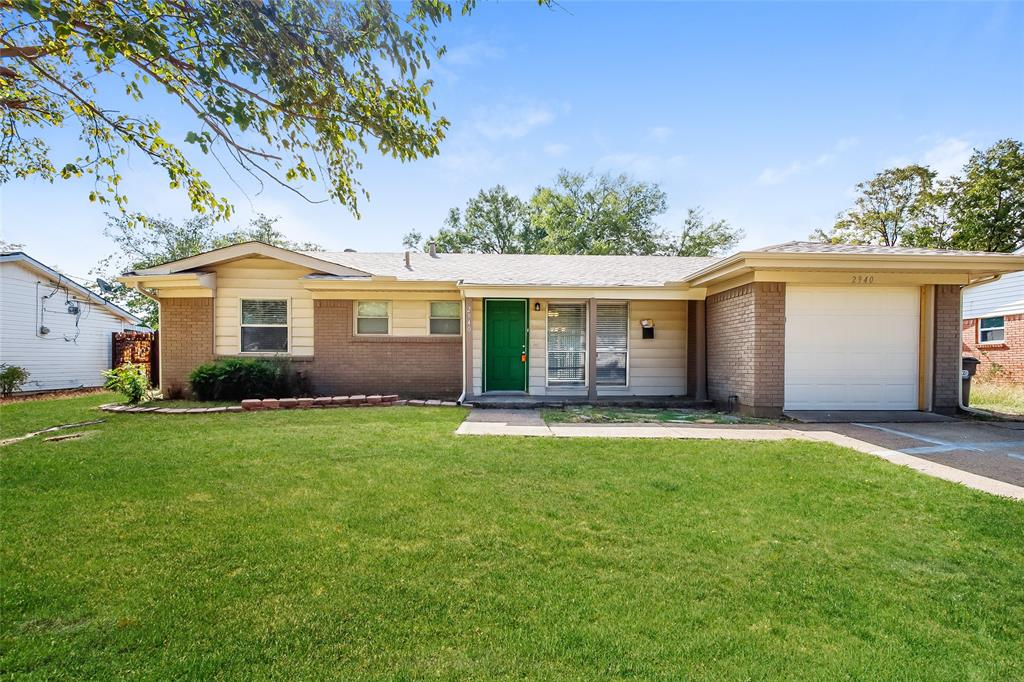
x=186 y=341
x=746 y=347
x=946 y=384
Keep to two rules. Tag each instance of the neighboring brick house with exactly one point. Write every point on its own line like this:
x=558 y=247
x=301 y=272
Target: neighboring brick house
x=993 y=327
x=796 y=326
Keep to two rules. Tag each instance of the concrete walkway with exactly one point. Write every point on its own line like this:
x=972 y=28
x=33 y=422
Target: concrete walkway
x=530 y=423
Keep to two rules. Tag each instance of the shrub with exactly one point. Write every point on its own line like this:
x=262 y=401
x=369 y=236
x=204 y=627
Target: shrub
x=129 y=380
x=241 y=378
x=12 y=378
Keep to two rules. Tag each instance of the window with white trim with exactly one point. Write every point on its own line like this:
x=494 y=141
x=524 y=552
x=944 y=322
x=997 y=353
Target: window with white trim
x=264 y=325
x=992 y=329
x=612 y=343
x=567 y=344
x=444 y=318
x=373 y=317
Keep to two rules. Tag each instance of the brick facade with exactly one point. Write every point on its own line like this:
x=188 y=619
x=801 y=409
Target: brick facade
x=746 y=329
x=946 y=391
x=1003 y=361
x=411 y=366
x=186 y=341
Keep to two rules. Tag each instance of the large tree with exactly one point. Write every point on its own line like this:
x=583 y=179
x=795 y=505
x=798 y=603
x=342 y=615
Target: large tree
x=703 y=237
x=981 y=209
x=291 y=92
x=159 y=240
x=584 y=213
x=893 y=203
x=493 y=221
x=581 y=213
x=987 y=203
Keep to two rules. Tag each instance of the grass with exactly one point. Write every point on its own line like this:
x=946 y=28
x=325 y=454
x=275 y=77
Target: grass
x=358 y=544
x=998 y=397
x=187 y=403
x=584 y=414
x=22 y=416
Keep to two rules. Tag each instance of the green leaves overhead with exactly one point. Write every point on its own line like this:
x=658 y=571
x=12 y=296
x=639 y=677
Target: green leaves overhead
x=289 y=92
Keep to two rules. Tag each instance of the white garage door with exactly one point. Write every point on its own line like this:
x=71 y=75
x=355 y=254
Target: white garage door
x=850 y=348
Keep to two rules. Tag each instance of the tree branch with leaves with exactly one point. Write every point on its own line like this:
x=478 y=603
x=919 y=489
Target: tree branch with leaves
x=289 y=92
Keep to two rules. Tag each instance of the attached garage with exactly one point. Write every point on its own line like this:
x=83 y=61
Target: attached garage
x=852 y=348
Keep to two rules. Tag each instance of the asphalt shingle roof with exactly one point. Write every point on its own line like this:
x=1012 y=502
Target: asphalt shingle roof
x=816 y=247
x=525 y=270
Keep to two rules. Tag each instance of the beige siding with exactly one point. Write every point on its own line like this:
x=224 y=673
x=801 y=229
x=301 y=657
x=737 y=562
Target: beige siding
x=261 y=278
x=656 y=366
x=538 y=348
x=478 y=346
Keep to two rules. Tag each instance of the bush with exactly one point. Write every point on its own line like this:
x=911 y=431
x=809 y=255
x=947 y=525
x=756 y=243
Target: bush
x=12 y=378
x=241 y=378
x=129 y=380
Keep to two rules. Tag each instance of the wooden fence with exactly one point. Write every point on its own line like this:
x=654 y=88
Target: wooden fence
x=137 y=348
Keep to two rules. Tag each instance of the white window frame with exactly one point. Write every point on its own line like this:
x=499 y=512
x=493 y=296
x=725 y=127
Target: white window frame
x=287 y=325
x=1001 y=328
x=355 y=317
x=586 y=345
x=430 y=317
x=629 y=344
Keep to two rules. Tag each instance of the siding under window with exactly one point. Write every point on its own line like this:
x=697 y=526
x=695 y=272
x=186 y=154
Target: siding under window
x=567 y=344
x=612 y=343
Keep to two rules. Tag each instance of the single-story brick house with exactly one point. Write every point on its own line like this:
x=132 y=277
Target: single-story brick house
x=793 y=326
x=993 y=327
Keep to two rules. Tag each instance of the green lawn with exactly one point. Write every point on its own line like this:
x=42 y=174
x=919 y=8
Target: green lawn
x=373 y=543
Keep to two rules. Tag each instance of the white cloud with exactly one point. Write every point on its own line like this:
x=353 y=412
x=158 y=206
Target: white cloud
x=947 y=156
x=556 y=149
x=511 y=122
x=660 y=133
x=472 y=54
x=774 y=176
x=641 y=164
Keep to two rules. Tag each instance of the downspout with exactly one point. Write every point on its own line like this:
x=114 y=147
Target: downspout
x=462 y=306
x=960 y=364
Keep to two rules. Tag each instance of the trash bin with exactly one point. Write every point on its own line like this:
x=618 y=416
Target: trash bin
x=968 y=368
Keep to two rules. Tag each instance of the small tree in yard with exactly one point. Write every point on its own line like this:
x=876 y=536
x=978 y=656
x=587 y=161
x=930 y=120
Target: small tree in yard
x=129 y=380
x=12 y=378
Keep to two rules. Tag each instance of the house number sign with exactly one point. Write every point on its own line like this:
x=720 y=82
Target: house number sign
x=862 y=279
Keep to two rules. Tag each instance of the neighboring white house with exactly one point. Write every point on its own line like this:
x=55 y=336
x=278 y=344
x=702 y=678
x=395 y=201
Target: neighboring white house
x=55 y=328
x=993 y=327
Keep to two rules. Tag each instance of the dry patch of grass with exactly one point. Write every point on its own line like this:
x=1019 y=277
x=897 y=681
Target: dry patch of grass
x=1001 y=398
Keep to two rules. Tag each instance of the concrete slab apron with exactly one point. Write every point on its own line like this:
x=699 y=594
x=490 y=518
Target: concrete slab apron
x=530 y=423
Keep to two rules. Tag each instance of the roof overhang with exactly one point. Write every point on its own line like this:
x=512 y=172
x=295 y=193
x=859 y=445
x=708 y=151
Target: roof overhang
x=248 y=250
x=935 y=269
x=187 y=284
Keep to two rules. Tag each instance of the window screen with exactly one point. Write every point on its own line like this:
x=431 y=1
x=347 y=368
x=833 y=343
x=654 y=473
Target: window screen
x=567 y=344
x=372 y=317
x=992 y=330
x=264 y=325
x=612 y=343
x=444 y=317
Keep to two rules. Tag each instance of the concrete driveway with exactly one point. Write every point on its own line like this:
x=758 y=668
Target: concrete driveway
x=992 y=449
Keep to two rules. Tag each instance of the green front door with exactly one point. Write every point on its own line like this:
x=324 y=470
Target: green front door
x=504 y=345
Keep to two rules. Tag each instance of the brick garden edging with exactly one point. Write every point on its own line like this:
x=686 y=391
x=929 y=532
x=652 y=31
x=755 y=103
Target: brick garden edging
x=255 y=405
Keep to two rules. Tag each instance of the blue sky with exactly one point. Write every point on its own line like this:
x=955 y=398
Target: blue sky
x=764 y=114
